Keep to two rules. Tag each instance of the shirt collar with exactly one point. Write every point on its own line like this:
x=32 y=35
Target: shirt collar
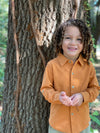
x=62 y=59
x=81 y=60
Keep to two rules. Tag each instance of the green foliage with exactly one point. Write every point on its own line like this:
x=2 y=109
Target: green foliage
x=3 y=39
x=94 y=117
x=94 y=130
x=3 y=21
x=0 y=113
x=92 y=60
x=95 y=114
x=88 y=7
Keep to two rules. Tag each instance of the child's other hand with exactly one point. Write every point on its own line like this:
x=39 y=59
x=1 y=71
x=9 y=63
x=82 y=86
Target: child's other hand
x=65 y=99
x=76 y=99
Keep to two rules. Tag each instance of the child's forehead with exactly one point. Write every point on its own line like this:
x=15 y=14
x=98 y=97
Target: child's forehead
x=71 y=27
x=72 y=30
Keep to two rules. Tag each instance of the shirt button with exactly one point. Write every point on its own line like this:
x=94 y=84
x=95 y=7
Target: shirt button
x=72 y=113
x=42 y=91
x=72 y=86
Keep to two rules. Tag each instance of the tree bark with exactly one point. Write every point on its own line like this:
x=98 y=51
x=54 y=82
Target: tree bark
x=33 y=109
x=95 y=24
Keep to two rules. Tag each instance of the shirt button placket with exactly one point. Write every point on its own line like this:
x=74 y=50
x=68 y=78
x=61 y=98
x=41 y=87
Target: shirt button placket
x=42 y=91
x=72 y=113
x=72 y=86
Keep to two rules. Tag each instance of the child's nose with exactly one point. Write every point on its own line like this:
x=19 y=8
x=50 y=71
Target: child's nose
x=73 y=42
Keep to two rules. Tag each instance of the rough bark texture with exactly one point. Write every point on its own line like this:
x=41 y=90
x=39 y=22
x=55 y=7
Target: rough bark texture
x=95 y=23
x=33 y=109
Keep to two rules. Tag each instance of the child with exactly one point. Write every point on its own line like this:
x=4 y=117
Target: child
x=69 y=81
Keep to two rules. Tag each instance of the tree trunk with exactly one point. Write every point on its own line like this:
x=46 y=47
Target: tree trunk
x=95 y=24
x=33 y=109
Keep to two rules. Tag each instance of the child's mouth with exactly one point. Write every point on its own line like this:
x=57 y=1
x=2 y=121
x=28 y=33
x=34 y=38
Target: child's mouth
x=72 y=49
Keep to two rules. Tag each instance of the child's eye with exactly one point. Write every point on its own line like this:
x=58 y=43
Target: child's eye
x=79 y=39
x=67 y=37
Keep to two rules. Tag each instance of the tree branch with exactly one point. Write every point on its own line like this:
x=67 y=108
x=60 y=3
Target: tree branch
x=17 y=63
x=36 y=35
x=76 y=7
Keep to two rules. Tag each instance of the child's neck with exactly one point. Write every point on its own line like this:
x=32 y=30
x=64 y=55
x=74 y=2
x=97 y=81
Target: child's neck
x=72 y=58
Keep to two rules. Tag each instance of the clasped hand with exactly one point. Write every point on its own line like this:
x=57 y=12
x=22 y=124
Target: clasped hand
x=74 y=100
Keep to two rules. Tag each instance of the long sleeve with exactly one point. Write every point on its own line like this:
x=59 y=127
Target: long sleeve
x=47 y=88
x=92 y=91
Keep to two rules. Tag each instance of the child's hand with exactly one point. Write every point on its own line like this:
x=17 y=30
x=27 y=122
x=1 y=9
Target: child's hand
x=65 y=99
x=76 y=99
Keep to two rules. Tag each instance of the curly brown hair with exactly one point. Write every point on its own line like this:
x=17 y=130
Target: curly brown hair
x=85 y=33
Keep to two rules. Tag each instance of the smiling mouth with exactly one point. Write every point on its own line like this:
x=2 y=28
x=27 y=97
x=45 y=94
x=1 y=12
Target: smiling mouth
x=72 y=49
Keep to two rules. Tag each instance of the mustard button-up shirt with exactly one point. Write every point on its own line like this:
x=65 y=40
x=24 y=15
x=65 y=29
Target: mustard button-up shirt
x=62 y=75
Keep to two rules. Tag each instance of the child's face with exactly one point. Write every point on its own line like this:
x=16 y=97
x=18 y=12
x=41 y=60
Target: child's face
x=72 y=43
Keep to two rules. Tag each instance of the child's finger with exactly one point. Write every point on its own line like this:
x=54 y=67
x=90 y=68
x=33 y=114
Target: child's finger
x=74 y=102
x=65 y=103
x=72 y=97
x=64 y=98
x=68 y=101
x=62 y=93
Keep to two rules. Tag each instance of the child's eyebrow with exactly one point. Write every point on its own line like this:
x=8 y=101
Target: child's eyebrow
x=71 y=35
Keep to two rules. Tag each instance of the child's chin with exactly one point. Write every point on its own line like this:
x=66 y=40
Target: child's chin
x=72 y=54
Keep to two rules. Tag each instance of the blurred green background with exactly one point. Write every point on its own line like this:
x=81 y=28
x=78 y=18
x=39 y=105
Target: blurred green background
x=3 y=40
